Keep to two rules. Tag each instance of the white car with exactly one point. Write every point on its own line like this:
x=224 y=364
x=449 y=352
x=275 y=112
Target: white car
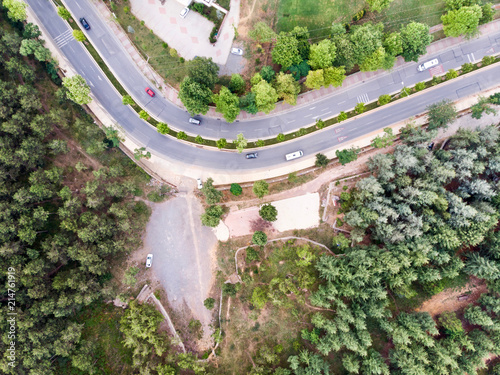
x=200 y=184
x=149 y=260
x=184 y=12
x=237 y=51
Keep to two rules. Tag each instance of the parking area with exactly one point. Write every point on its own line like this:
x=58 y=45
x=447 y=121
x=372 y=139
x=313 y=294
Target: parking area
x=189 y=35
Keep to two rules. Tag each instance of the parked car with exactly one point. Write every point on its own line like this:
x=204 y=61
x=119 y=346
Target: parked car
x=84 y=23
x=184 y=12
x=149 y=260
x=194 y=121
x=200 y=184
x=237 y=51
x=252 y=155
x=427 y=65
x=150 y=92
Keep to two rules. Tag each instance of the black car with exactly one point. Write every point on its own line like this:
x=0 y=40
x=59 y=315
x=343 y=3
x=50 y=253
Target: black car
x=252 y=155
x=84 y=23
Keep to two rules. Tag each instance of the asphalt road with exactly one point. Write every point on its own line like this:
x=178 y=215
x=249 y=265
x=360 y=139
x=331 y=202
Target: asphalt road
x=269 y=158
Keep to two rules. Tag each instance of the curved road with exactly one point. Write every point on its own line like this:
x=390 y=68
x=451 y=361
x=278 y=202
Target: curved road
x=229 y=162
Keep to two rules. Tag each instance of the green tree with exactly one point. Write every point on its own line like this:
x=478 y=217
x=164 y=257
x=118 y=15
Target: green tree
x=212 y=195
x=268 y=212
x=63 y=13
x=199 y=139
x=378 y=5
x=419 y=86
x=127 y=100
x=181 y=135
x=203 y=71
x=247 y=103
x=79 y=35
x=384 y=141
x=415 y=39
x=211 y=216
x=237 y=84
x=260 y=188
x=16 y=9
x=265 y=96
x=280 y=137
x=259 y=238
x=487 y=13
x=221 y=143
x=374 y=61
x=463 y=21
x=35 y=47
x=322 y=54
x=240 y=142
x=287 y=88
x=259 y=297
x=78 y=90
x=340 y=242
x=227 y=103
x=342 y=116
x=347 y=155
x=483 y=105
x=451 y=324
x=144 y=115
x=236 y=189
x=286 y=51
x=315 y=79
x=366 y=40
x=441 y=114
x=162 y=128
x=334 y=76
x=209 y=303
x=267 y=73
x=384 y=99
x=321 y=160
x=262 y=33
x=451 y=74
x=195 y=97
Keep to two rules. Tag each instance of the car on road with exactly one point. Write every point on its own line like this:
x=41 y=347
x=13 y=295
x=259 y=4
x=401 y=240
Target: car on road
x=199 y=183
x=150 y=92
x=84 y=23
x=184 y=12
x=237 y=51
x=194 y=121
x=294 y=155
x=149 y=260
x=252 y=155
x=428 y=64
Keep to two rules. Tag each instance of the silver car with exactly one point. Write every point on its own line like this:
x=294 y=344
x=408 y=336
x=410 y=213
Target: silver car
x=149 y=260
x=237 y=51
x=184 y=12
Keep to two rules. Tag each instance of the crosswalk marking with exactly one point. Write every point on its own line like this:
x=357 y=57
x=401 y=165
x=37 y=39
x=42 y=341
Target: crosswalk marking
x=471 y=57
x=64 y=38
x=363 y=98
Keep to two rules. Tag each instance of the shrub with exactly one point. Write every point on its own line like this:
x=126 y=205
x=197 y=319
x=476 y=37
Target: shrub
x=420 y=86
x=231 y=289
x=383 y=99
x=260 y=143
x=487 y=60
x=162 y=128
x=436 y=80
x=280 y=137
x=182 y=60
x=127 y=100
x=346 y=156
x=292 y=177
x=301 y=132
x=209 y=303
x=236 y=189
x=342 y=116
x=182 y=136
x=268 y=212
x=321 y=160
x=358 y=15
x=212 y=37
x=405 y=91
x=144 y=115
x=211 y=216
x=452 y=73
x=259 y=297
x=221 y=143
x=260 y=188
x=253 y=254
x=360 y=108
x=126 y=9
x=259 y=238
x=467 y=68
x=173 y=52
x=199 y=139
x=320 y=124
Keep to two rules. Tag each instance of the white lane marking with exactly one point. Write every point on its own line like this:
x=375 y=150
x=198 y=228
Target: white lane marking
x=91 y=84
x=311 y=108
x=310 y=114
x=100 y=79
x=326 y=113
x=341 y=102
x=78 y=5
x=289 y=122
x=315 y=117
x=324 y=109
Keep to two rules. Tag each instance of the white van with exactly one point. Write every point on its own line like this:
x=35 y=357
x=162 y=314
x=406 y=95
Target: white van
x=427 y=65
x=294 y=155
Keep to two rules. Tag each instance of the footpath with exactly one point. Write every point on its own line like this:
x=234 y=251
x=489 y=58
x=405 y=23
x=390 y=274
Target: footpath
x=309 y=97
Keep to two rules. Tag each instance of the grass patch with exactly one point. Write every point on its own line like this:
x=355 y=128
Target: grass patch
x=102 y=322
x=317 y=15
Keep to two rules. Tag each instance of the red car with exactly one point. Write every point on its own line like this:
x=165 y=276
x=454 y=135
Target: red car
x=150 y=92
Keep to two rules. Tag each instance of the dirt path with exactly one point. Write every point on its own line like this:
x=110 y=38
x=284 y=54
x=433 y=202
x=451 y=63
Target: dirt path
x=249 y=13
x=448 y=300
